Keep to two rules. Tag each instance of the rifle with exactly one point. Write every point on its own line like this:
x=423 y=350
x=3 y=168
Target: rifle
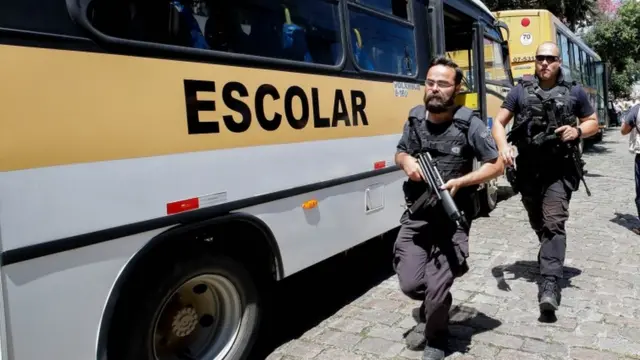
x=572 y=146
x=576 y=160
x=433 y=178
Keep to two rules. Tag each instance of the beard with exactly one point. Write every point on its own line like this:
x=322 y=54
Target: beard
x=437 y=103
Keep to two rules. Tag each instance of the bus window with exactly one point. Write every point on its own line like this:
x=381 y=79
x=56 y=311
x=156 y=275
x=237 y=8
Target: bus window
x=575 y=66
x=298 y=30
x=583 y=69
x=464 y=59
x=382 y=44
x=587 y=68
x=558 y=42
x=397 y=8
x=458 y=46
x=494 y=65
x=566 y=57
x=592 y=67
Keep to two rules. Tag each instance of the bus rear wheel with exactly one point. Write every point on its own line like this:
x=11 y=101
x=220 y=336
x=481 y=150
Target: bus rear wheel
x=581 y=146
x=489 y=196
x=202 y=308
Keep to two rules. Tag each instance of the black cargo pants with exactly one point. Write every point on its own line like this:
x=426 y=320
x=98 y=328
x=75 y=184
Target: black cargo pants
x=547 y=204
x=428 y=255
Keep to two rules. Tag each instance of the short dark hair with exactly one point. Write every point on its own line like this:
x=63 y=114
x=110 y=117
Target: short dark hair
x=443 y=60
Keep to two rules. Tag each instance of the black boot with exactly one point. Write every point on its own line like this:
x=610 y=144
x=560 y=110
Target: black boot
x=431 y=353
x=550 y=295
x=416 y=339
x=419 y=315
x=435 y=349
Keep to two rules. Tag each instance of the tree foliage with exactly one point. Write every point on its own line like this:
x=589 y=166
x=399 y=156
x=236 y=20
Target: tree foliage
x=617 y=40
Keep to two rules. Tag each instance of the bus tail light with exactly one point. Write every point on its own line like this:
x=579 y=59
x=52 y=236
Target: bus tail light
x=525 y=22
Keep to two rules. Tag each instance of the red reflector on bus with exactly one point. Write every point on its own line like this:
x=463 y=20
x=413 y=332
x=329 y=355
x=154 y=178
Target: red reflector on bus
x=525 y=22
x=379 y=165
x=182 y=205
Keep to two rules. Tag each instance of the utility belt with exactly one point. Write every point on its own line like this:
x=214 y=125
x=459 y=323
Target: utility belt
x=535 y=168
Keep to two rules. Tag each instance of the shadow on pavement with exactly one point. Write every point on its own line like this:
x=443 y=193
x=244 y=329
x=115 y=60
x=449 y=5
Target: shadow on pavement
x=628 y=221
x=464 y=323
x=505 y=193
x=595 y=149
x=530 y=272
x=302 y=301
x=607 y=142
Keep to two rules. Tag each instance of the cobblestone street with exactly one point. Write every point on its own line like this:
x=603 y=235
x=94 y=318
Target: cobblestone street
x=495 y=313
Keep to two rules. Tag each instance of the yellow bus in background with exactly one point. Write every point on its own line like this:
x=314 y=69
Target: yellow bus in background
x=529 y=28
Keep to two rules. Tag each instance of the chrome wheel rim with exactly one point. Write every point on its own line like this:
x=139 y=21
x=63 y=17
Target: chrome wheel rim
x=492 y=193
x=199 y=321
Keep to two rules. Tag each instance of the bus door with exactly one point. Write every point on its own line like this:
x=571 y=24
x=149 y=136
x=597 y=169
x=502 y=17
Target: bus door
x=483 y=57
x=461 y=44
x=496 y=67
x=464 y=45
x=479 y=50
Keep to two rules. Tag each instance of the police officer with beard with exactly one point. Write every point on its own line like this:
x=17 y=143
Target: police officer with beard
x=431 y=250
x=545 y=109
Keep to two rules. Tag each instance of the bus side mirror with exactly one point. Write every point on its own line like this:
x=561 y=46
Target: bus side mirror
x=503 y=25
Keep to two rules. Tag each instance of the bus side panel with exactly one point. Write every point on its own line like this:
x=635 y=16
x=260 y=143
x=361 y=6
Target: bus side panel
x=340 y=221
x=110 y=158
x=55 y=303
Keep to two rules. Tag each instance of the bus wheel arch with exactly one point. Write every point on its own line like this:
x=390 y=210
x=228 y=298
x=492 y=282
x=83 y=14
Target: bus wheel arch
x=239 y=241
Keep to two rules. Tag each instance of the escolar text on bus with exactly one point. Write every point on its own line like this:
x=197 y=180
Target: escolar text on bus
x=234 y=92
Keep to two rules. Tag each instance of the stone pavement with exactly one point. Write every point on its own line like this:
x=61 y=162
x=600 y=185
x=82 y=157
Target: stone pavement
x=495 y=313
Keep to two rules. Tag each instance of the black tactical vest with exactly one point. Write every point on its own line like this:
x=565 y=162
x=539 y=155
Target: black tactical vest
x=451 y=152
x=537 y=117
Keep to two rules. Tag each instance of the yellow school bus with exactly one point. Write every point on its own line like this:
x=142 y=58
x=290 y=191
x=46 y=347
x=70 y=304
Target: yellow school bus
x=529 y=28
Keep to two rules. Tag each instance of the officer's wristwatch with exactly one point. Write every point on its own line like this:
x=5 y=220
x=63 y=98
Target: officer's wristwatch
x=579 y=132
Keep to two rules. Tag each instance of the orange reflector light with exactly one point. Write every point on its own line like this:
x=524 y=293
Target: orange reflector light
x=310 y=204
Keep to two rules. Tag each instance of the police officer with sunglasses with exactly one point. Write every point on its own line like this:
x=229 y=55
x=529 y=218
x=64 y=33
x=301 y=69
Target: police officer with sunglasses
x=545 y=107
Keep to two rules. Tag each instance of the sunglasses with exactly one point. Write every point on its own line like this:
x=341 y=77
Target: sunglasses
x=550 y=58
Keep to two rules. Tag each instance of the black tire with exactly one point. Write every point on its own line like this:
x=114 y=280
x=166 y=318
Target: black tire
x=581 y=146
x=488 y=200
x=131 y=336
